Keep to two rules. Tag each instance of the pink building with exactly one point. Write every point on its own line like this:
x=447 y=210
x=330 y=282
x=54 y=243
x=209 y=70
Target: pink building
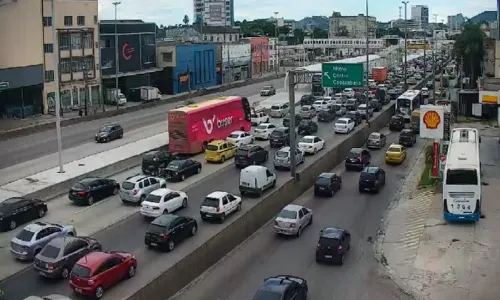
x=260 y=55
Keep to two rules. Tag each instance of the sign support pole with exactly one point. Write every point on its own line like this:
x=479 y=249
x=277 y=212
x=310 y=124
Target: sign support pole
x=57 y=94
x=293 y=142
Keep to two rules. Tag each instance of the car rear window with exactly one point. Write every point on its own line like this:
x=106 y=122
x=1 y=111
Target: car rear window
x=212 y=147
x=304 y=108
x=288 y=214
x=405 y=133
x=367 y=176
x=211 y=202
x=394 y=149
x=50 y=251
x=79 y=186
x=267 y=295
x=275 y=107
x=234 y=136
x=81 y=271
x=323 y=181
x=304 y=122
x=277 y=133
x=329 y=242
x=25 y=235
x=149 y=156
x=262 y=127
x=282 y=154
x=153 y=198
x=306 y=140
x=155 y=228
x=374 y=136
x=128 y=186
x=354 y=154
x=341 y=122
x=241 y=152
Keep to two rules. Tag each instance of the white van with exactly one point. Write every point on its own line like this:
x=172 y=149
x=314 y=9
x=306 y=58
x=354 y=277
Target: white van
x=256 y=179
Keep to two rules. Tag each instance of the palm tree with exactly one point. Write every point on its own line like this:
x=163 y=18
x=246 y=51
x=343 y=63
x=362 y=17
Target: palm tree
x=185 y=20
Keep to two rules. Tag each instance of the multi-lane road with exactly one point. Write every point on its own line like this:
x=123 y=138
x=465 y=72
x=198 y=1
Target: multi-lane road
x=239 y=274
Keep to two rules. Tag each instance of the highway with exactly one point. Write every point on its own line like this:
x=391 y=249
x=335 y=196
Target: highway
x=27 y=148
x=239 y=274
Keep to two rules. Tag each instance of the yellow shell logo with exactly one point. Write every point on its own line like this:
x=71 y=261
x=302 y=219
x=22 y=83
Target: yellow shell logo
x=432 y=119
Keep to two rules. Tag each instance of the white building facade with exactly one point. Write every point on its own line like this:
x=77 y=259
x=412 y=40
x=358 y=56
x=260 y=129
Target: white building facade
x=420 y=13
x=273 y=54
x=351 y=26
x=236 y=61
x=344 y=46
x=213 y=12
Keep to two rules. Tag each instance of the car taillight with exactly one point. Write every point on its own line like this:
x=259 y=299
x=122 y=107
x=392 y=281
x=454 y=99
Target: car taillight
x=134 y=192
x=164 y=235
x=292 y=225
x=81 y=193
x=50 y=266
x=276 y=223
x=340 y=248
x=217 y=209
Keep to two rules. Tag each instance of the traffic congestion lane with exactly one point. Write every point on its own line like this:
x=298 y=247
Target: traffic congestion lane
x=25 y=148
x=128 y=235
x=265 y=254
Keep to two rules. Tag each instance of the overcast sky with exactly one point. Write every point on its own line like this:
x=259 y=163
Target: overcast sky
x=169 y=12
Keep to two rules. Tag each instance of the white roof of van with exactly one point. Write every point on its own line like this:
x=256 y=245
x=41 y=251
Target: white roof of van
x=253 y=168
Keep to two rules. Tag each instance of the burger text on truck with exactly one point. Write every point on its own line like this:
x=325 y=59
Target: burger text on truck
x=192 y=127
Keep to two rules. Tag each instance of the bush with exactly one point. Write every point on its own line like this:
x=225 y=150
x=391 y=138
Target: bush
x=429 y=155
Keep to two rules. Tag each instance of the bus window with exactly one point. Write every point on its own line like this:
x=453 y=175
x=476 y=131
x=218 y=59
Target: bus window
x=461 y=177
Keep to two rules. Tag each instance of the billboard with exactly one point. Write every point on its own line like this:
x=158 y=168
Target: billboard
x=129 y=53
x=216 y=12
x=489 y=97
x=432 y=122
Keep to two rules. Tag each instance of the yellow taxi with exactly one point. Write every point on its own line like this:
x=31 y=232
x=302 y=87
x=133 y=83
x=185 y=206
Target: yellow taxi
x=219 y=151
x=395 y=154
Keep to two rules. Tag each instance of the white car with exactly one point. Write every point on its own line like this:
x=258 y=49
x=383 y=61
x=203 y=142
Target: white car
x=263 y=131
x=163 y=201
x=321 y=105
x=349 y=93
x=218 y=205
x=48 y=297
x=344 y=125
x=418 y=76
x=311 y=144
x=425 y=92
x=292 y=220
x=259 y=117
x=240 y=138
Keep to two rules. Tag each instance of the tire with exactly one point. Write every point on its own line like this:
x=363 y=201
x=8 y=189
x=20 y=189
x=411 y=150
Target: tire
x=310 y=221
x=299 y=232
x=342 y=258
x=222 y=218
x=41 y=213
x=194 y=229
x=170 y=246
x=331 y=193
x=116 y=191
x=184 y=203
x=274 y=184
x=238 y=207
x=90 y=200
x=266 y=158
x=165 y=211
x=222 y=159
x=99 y=292
x=198 y=171
x=183 y=177
x=143 y=197
x=65 y=273
x=315 y=150
x=131 y=271
x=12 y=225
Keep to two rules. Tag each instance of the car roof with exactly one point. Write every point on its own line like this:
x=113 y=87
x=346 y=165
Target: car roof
x=327 y=175
x=161 y=192
x=370 y=169
x=237 y=132
x=306 y=106
x=293 y=207
x=266 y=124
x=309 y=136
x=247 y=146
x=276 y=285
x=37 y=226
x=357 y=150
x=60 y=241
x=332 y=233
x=285 y=149
x=217 y=142
x=94 y=259
x=164 y=220
x=406 y=130
x=281 y=128
x=254 y=168
x=344 y=119
x=376 y=133
x=217 y=194
x=395 y=146
x=88 y=180
x=13 y=200
x=136 y=178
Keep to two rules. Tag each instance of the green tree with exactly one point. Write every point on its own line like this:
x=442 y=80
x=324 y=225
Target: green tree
x=298 y=35
x=469 y=52
x=283 y=30
x=319 y=33
x=185 y=20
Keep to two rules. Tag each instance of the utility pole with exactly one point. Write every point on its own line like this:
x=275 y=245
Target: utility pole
x=406 y=41
x=276 y=53
x=117 y=68
x=57 y=94
x=261 y=45
x=425 y=61
x=293 y=143
x=367 y=87
x=85 y=80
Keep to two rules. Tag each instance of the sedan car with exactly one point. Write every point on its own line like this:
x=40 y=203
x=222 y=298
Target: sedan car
x=311 y=144
x=98 y=271
x=166 y=231
x=344 y=125
x=239 y=138
x=18 y=210
x=263 y=131
x=395 y=154
x=376 y=140
x=179 y=170
x=59 y=256
x=108 y=133
x=333 y=245
x=307 y=112
x=307 y=127
x=91 y=189
x=31 y=240
x=292 y=220
x=163 y=201
x=327 y=184
x=268 y=90
x=283 y=287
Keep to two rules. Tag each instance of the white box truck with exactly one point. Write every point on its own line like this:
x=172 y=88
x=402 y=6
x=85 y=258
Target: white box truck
x=115 y=95
x=149 y=93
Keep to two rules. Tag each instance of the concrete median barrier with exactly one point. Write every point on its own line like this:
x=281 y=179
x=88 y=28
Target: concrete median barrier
x=209 y=253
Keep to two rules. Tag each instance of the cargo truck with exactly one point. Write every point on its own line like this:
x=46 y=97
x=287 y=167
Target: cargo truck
x=149 y=93
x=114 y=96
x=379 y=74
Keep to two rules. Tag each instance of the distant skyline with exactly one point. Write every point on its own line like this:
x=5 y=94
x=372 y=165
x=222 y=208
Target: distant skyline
x=170 y=12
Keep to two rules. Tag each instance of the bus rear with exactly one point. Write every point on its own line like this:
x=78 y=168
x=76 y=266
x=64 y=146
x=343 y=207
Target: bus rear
x=462 y=177
x=407 y=102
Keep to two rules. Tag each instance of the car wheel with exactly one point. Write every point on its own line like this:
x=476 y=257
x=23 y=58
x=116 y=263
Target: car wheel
x=266 y=157
x=315 y=150
x=194 y=229
x=99 y=292
x=170 y=246
x=184 y=203
x=116 y=191
x=299 y=232
x=65 y=273
x=143 y=197
x=342 y=258
x=165 y=211
x=331 y=193
x=90 y=200
x=41 y=213
x=183 y=177
x=238 y=207
x=131 y=271
x=310 y=221
x=12 y=225
x=222 y=218
x=222 y=159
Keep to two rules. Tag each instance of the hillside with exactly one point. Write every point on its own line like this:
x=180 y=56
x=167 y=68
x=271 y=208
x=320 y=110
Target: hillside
x=314 y=21
x=485 y=16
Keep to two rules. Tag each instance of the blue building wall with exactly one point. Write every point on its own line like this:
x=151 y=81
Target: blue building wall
x=197 y=60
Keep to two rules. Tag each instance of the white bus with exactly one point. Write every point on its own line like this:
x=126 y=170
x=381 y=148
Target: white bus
x=462 y=177
x=408 y=101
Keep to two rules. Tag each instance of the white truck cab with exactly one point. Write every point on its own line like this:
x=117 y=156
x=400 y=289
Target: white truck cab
x=256 y=179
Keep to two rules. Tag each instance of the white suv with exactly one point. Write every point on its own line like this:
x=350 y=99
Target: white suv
x=218 y=205
x=136 y=188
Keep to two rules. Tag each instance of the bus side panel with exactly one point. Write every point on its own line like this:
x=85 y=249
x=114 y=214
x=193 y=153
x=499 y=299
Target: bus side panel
x=178 y=133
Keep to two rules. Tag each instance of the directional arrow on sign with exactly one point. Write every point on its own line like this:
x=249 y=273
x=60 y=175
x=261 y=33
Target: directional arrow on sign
x=326 y=74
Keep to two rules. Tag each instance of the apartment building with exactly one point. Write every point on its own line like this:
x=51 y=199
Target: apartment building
x=351 y=26
x=29 y=55
x=213 y=12
x=420 y=13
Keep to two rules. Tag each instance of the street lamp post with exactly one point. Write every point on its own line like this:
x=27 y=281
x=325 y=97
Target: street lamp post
x=276 y=53
x=367 y=87
x=116 y=54
x=406 y=41
x=57 y=94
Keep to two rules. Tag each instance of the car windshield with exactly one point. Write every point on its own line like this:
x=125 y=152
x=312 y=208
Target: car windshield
x=329 y=242
x=25 y=235
x=241 y=152
x=262 y=127
x=174 y=165
x=81 y=271
x=307 y=140
x=394 y=149
x=367 y=176
x=105 y=129
x=267 y=87
x=212 y=202
x=281 y=154
x=323 y=181
x=234 y=135
x=275 y=107
x=212 y=147
x=341 y=122
x=50 y=251
x=288 y=214
x=304 y=108
x=153 y=198
x=128 y=185
x=374 y=136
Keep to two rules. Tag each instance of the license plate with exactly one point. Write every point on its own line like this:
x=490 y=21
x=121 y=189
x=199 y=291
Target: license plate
x=208 y=215
x=276 y=140
x=154 y=244
x=328 y=256
x=78 y=290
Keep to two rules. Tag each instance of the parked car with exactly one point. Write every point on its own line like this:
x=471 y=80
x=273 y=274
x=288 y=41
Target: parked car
x=59 y=256
x=292 y=220
x=179 y=170
x=395 y=154
x=279 y=110
x=163 y=201
x=286 y=120
x=91 y=189
x=376 y=140
x=371 y=179
x=282 y=158
x=98 y=271
x=355 y=116
x=18 y=210
x=307 y=100
x=396 y=122
x=263 y=131
x=256 y=179
x=407 y=137
x=259 y=117
x=280 y=137
x=311 y=144
x=219 y=151
x=268 y=90
x=108 y=133
x=357 y=158
x=285 y=287
x=326 y=116
x=333 y=245
x=307 y=127
x=135 y=188
x=250 y=155
x=344 y=125
x=31 y=240
x=167 y=230
x=327 y=184
x=307 y=112
x=154 y=161
x=218 y=205
x=239 y=138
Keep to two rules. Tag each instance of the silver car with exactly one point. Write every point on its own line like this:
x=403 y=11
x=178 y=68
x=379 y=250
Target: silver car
x=307 y=112
x=135 y=189
x=31 y=240
x=292 y=220
x=282 y=158
x=376 y=140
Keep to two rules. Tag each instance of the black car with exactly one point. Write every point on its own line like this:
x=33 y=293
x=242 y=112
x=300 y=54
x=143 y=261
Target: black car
x=108 y=133
x=397 y=122
x=18 y=210
x=154 y=161
x=307 y=100
x=407 y=138
x=250 y=155
x=91 y=189
x=180 y=169
x=358 y=158
x=283 y=287
x=355 y=116
x=327 y=184
x=371 y=179
x=168 y=230
x=280 y=137
x=307 y=127
x=351 y=104
x=59 y=256
x=429 y=84
x=286 y=120
x=376 y=105
x=326 y=116
x=333 y=245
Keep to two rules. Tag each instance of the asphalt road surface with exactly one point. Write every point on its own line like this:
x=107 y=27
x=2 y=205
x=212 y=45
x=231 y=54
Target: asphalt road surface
x=25 y=148
x=239 y=275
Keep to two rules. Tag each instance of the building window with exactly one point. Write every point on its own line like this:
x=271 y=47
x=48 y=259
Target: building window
x=76 y=64
x=47 y=21
x=96 y=20
x=88 y=40
x=68 y=20
x=107 y=64
x=211 y=38
x=64 y=42
x=48 y=48
x=168 y=57
x=230 y=38
x=49 y=76
x=80 y=20
x=76 y=41
x=148 y=40
x=65 y=65
x=148 y=59
x=88 y=63
x=106 y=43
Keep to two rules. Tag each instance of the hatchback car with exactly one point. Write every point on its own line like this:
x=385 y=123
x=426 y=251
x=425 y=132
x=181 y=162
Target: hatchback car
x=135 y=188
x=218 y=205
x=307 y=127
x=307 y=100
x=279 y=110
x=31 y=240
x=395 y=154
x=154 y=161
x=407 y=137
x=108 y=133
x=168 y=230
x=263 y=131
x=311 y=144
x=268 y=90
x=376 y=105
x=280 y=137
x=371 y=179
x=376 y=140
x=283 y=287
x=91 y=189
x=326 y=116
x=365 y=111
x=396 y=122
x=250 y=155
x=219 y=151
x=339 y=110
x=282 y=158
x=59 y=256
x=327 y=184
x=307 y=112
x=179 y=170
x=333 y=245
x=292 y=220
x=351 y=104
x=357 y=158
x=18 y=210
x=98 y=271
x=344 y=125
x=163 y=201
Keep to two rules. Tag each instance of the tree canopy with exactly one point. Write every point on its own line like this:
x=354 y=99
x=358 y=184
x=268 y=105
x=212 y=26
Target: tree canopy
x=468 y=51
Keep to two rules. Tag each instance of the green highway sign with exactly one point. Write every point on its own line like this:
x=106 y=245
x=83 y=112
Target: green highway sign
x=4 y=85
x=341 y=75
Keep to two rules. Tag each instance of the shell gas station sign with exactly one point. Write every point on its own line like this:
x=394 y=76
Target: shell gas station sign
x=489 y=97
x=432 y=122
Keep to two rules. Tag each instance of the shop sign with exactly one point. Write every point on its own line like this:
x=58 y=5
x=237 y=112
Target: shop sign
x=488 y=97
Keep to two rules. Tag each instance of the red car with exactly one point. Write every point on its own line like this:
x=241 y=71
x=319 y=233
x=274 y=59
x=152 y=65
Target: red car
x=97 y=271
